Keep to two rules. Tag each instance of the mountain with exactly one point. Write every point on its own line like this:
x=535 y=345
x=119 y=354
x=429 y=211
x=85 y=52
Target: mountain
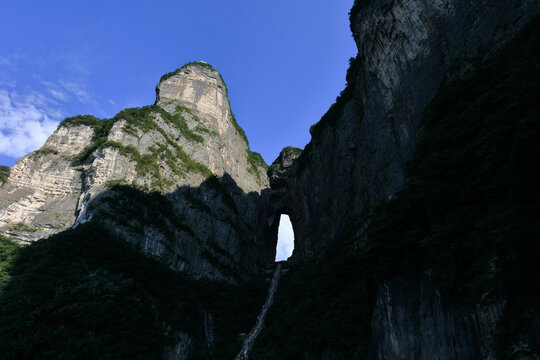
x=414 y=208
x=415 y=217
x=176 y=178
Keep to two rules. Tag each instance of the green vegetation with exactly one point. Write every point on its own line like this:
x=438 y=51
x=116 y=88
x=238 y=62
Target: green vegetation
x=336 y=110
x=22 y=227
x=88 y=120
x=239 y=128
x=178 y=121
x=255 y=159
x=255 y=162
x=288 y=151
x=85 y=293
x=8 y=248
x=101 y=132
x=116 y=182
x=45 y=151
x=202 y=129
x=4 y=173
x=148 y=164
x=193 y=63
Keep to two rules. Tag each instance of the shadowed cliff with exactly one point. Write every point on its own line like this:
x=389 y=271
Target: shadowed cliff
x=102 y=291
x=446 y=266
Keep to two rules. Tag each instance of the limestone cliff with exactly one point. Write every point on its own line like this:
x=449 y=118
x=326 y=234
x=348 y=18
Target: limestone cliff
x=176 y=178
x=357 y=160
x=359 y=149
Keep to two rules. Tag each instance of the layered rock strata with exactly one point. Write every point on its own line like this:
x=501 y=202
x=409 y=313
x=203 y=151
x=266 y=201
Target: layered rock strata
x=176 y=178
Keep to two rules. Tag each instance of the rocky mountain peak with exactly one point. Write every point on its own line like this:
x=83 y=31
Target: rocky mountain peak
x=199 y=87
x=185 y=155
x=283 y=167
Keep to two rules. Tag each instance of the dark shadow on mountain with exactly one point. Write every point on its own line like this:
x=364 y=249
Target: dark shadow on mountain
x=210 y=231
x=105 y=289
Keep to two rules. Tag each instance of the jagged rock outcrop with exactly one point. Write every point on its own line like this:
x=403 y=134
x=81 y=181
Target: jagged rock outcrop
x=279 y=173
x=188 y=147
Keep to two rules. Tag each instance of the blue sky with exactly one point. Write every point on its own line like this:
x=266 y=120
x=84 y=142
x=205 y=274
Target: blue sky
x=285 y=244
x=284 y=62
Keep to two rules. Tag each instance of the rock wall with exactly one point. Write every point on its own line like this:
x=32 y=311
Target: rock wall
x=412 y=320
x=358 y=151
x=184 y=158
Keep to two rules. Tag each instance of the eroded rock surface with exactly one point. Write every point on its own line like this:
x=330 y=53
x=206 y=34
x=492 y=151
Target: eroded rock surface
x=413 y=320
x=358 y=151
x=183 y=160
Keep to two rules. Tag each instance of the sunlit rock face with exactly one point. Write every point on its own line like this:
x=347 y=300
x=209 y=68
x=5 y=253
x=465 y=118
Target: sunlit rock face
x=43 y=188
x=201 y=89
x=187 y=147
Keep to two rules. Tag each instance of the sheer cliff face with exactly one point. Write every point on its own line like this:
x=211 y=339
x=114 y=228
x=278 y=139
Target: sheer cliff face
x=358 y=151
x=193 y=191
x=413 y=320
x=201 y=89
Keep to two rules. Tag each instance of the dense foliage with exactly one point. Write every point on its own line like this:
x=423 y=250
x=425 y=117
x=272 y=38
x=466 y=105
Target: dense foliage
x=85 y=294
x=88 y=120
x=8 y=249
x=288 y=151
x=4 y=173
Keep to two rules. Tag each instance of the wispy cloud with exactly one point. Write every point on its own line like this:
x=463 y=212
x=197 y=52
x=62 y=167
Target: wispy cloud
x=77 y=89
x=32 y=106
x=25 y=122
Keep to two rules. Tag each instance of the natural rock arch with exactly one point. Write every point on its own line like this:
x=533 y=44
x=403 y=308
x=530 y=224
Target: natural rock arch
x=285 y=240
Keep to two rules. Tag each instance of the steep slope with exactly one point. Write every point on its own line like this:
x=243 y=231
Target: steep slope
x=417 y=239
x=85 y=293
x=359 y=149
x=184 y=158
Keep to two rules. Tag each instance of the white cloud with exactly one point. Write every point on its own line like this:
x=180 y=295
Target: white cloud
x=25 y=122
x=76 y=89
x=285 y=243
x=31 y=107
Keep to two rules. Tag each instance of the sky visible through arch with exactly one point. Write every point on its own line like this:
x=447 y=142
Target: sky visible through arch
x=285 y=245
x=284 y=62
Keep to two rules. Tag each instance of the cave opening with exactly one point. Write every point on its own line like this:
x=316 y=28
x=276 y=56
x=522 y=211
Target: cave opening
x=285 y=243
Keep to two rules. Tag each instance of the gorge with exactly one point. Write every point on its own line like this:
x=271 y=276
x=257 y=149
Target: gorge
x=414 y=208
